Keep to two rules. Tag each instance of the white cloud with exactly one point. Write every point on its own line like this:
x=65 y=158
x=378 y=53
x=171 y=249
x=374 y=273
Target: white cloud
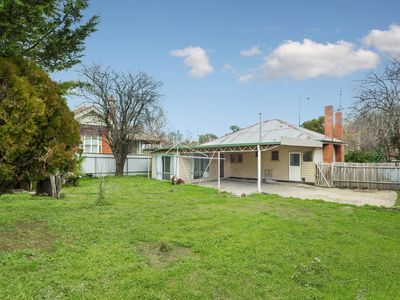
x=252 y=51
x=386 y=41
x=195 y=58
x=230 y=69
x=309 y=59
x=248 y=77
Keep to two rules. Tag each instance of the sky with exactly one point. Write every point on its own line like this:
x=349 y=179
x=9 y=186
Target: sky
x=224 y=62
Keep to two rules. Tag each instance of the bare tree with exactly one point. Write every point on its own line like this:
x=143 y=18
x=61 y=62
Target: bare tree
x=174 y=137
x=123 y=101
x=378 y=104
x=360 y=135
x=156 y=122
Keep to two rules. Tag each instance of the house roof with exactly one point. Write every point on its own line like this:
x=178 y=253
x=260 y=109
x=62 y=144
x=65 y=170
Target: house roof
x=144 y=137
x=82 y=111
x=272 y=132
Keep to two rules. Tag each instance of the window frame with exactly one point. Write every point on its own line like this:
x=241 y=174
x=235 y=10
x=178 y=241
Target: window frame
x=272 y=155
x=237 y=158
x=311 y=157
x=92 y=143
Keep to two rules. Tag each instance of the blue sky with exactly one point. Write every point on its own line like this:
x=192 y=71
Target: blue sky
x=244 y=57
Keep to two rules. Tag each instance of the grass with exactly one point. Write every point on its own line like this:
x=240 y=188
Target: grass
x=151 y=243
x=397 y=204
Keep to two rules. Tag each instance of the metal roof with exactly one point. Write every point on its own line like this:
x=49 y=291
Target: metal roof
x=272 y=132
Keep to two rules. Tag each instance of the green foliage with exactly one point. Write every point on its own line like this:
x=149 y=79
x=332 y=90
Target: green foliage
x=257 y=247
x=208 y=137
x=377 y=155
x=359 y=156
x=311 y=275
x=101 y=195
x=397 y=204
x=48 y=32
x=67 y=87
x=234 y=128
x=316 y=125
x=38 y=132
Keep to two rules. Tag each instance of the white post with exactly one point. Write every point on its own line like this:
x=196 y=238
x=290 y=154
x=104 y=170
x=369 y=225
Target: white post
x=176 y=167
x=219 y=171
x=148 y=166
x=259 y=168
x=177 y=164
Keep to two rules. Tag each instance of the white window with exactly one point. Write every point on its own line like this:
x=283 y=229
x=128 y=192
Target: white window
x=92 y=144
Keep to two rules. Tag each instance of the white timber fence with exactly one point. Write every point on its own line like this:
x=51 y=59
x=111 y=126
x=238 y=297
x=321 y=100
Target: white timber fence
x=382 y=176
x=104 y=164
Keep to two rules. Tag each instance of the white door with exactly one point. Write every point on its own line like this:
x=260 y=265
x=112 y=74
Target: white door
x=294 y=166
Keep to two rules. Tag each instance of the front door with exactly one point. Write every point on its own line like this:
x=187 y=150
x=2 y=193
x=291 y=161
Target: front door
x=166 y=167
x=294 y=166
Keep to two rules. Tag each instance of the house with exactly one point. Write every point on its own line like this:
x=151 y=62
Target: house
x=93 y=137
x=269 y=150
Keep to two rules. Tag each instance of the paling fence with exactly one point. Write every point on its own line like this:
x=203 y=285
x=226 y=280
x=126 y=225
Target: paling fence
x=384 y=176
x=104 y=164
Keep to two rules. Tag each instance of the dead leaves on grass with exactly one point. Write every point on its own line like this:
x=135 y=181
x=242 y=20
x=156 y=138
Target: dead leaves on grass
x=27 y=235
x=161 y=255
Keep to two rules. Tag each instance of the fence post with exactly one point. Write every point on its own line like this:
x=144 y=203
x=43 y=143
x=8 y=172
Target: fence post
x=95 y=166
x=127 y=166
x=148 y=166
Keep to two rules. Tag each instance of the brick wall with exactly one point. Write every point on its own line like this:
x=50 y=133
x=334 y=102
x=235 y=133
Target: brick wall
x=328 y=149
x=104 y=145
x=339 y=149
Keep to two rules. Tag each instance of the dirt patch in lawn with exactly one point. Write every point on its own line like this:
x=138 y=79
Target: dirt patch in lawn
x=32 y=234
x=160 y=255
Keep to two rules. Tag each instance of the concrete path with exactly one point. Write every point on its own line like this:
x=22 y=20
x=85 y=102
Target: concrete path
x=304 y=191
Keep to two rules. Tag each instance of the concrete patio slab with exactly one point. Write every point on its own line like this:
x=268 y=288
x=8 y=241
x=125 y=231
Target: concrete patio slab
x=309 y=192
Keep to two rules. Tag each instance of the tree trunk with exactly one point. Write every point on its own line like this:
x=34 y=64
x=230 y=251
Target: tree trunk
x=119 y=165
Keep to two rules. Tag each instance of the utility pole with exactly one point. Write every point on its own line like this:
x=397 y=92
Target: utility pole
x=259 y=160
x=308 y=98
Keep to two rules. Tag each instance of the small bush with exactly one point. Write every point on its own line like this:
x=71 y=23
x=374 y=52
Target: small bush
x=72 y=179
x=360 y=156
x=100 y=200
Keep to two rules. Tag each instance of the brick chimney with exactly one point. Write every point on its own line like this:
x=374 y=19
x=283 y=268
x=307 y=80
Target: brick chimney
x=338 y=125
x=328 y=149
x=329 y=121
x=339 y=149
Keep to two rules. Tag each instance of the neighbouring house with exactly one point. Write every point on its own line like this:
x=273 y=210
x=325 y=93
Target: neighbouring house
x=93 y=137
x=269 y=150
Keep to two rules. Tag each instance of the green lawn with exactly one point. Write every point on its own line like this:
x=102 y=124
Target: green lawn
x=149 y=242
